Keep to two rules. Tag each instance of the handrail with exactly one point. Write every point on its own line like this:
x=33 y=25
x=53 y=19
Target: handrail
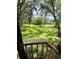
x=52 y=46
x=44 y=44
x=38 y=41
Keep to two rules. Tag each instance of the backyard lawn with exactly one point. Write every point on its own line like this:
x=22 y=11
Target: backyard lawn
x=48 y=32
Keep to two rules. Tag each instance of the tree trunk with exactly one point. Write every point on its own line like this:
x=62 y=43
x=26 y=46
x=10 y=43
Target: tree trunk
x=45 y=18
x=20 y=48
x=58 y=26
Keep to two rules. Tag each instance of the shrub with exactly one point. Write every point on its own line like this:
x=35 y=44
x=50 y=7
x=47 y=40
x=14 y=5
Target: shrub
x=38 y=21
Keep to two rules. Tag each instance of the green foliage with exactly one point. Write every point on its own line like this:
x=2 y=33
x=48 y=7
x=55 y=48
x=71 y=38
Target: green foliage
x=47 y=32
x=53 y=7
x=38 y=20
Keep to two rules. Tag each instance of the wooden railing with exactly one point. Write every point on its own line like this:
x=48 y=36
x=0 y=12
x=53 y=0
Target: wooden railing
x=40 y=49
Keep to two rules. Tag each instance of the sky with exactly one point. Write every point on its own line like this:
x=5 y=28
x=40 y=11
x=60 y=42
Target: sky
x=35 y=14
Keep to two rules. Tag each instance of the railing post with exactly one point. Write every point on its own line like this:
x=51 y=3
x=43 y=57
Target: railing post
x=32 y=51
x=37 y=51
x=43 y=51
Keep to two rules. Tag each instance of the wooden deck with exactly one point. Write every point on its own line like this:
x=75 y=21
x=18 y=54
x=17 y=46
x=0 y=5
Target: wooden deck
x=48 y=51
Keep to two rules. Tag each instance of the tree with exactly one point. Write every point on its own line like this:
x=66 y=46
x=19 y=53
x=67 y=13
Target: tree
x=20 y=48
x=53 y=7
x=24 y=7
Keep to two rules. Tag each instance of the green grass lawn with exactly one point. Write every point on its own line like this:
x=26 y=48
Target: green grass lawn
x=47 y=32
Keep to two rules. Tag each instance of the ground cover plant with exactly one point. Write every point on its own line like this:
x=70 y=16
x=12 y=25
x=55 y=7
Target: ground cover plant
x=48 y=32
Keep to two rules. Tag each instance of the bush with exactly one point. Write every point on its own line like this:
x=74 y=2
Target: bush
x=38 y=21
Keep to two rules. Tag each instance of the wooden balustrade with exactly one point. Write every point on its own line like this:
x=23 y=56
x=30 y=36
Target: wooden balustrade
x=40 y=49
